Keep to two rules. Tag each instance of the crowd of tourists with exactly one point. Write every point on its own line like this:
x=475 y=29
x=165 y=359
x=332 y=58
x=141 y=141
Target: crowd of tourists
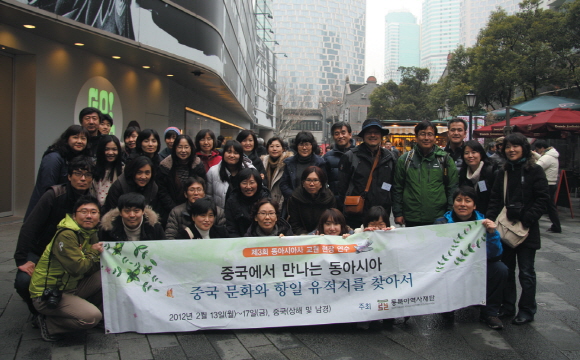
x=92 y=187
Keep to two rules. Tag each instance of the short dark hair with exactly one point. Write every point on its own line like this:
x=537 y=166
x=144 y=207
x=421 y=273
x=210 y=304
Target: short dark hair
x=517 y=139
x=245 y=174
x=334 y=215
x=86 y=199
x=131 y=200
x=80 y=163
x=201 y=134
x=465 y=191
x=263 y=201
x=244 y=134
x=541 y=144
x=134 y=165
x=318 y=171
x=89 y=110
x=146 y=134
x=129 y=131
x=339 y=125
x=456 y=120
x=61 y=144
x=374 y=214
x=305 y=136
x=424 y=125
x=192 y=180
x=108 y=118
x=276 y=138
x=201 y=207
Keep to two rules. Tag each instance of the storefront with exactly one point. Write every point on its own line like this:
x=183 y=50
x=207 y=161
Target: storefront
x=402 y=133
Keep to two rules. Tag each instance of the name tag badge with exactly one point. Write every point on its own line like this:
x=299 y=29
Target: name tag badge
x=482 y=186
x=386 y=186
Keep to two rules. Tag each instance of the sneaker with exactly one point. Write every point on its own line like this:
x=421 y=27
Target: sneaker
x=44 y=330
x=493 y=322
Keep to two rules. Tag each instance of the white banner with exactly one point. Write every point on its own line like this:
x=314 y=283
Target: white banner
x=188 y=285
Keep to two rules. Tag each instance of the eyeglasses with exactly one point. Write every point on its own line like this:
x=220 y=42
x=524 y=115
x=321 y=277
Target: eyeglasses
x=87 y=175
x=248 y=183
x=86 y=212
x=423 y=134
x=264 y=214
x=312 y=181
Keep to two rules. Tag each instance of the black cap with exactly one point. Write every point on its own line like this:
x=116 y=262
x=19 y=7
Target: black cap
x=370 y=123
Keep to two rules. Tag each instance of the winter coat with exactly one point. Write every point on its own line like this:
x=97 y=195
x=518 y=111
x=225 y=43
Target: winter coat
x=112 y=228
x=487 y=174
x=549 y=162
x=274 y=184
x=332 y=159
x=290 y=178
x=354 y=175
x=456 y=154
x=239 y=211
x=215 y=232
x=218 y=189
x=420 y=193
x=40 y=226
x=492 y=240
x=63 y=266
x=179 y=219
x=121 y=186
x=53 y=170
x=305 y=210
x=171 y=193
x=533 y=194
x=165 y=153
x=283 y=229
x=209 y=160
x=255 y=159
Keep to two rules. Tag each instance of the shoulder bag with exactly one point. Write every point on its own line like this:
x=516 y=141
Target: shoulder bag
x=354 y=205
x=512 y=233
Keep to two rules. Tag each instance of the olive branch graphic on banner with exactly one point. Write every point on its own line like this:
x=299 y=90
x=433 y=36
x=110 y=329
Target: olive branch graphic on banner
x=134 y=268
x=463 y=253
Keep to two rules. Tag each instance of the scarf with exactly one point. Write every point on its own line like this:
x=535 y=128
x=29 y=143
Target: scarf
x=261 y=232
x=474 y=176
x=272 y=166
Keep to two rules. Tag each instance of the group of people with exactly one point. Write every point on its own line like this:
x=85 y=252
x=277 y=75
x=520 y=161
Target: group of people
x=91 y=189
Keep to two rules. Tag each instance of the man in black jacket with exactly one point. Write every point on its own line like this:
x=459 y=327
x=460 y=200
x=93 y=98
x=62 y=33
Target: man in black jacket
x=40 y=225
x=355 y=168
x=342 y=135
x=90 y=118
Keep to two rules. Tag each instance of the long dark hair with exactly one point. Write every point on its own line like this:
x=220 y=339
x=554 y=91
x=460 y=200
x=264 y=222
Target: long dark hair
x=62 y=147
x=518 y=139
x=176 y=159
x=102 y=163
x=201 y=134
x=237 y=147
x=134 y=165
x=146 y=134
x=476 y=146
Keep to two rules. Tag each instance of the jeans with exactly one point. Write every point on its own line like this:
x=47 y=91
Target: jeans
x=497 y=274
x=527 y=275
x=22 y=282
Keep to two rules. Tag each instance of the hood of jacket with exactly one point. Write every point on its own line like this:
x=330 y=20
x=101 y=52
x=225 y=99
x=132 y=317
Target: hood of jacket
x=108 y=220
x=449 y=216
x=167 y=163
x=285 y=155
x=552 y=152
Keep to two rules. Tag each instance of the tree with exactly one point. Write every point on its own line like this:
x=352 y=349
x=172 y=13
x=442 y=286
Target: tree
x=290 y=109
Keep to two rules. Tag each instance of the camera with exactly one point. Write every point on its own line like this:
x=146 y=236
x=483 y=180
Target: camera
x=513 y=211
x=52 y=297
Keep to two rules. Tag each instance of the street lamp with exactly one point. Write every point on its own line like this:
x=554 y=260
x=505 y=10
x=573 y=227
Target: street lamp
x=440 y=114
x=470 y=99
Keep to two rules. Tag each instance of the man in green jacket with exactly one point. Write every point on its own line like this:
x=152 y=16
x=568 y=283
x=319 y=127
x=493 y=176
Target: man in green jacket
x=66 y=284
x=425 y=179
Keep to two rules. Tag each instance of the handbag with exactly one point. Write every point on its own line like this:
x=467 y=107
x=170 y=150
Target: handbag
x=354 y=205
x=512 y=233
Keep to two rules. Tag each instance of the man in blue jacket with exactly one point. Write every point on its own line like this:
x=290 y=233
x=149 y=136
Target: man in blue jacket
x=497 y=272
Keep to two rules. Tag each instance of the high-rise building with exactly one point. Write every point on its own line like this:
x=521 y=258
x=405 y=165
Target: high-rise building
x=475 y=15
x=440 y=31
x=318 y=44
x=402 y=36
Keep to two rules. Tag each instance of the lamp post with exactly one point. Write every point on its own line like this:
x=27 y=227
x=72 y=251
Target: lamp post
x=441 y=114
x=470 y=99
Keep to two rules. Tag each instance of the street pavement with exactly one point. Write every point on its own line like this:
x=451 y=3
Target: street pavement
x=555 y=333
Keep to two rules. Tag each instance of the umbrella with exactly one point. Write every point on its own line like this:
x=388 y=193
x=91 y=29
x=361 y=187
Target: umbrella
x=557 y=119
x=498 y=126
x=542 y=103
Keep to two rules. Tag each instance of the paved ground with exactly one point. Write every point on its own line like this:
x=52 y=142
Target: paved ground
x=554 y=335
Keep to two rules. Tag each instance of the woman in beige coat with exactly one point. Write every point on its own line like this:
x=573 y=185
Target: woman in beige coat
x=274 y=165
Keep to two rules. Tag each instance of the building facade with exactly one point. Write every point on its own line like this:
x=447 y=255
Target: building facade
x=192 y=65
x=402 y=39
x=356 y=102
x=440 y=33
x=319 y=44
x=475 y=15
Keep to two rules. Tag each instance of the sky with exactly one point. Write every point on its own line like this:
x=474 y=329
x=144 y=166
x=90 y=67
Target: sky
x=375 y=41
